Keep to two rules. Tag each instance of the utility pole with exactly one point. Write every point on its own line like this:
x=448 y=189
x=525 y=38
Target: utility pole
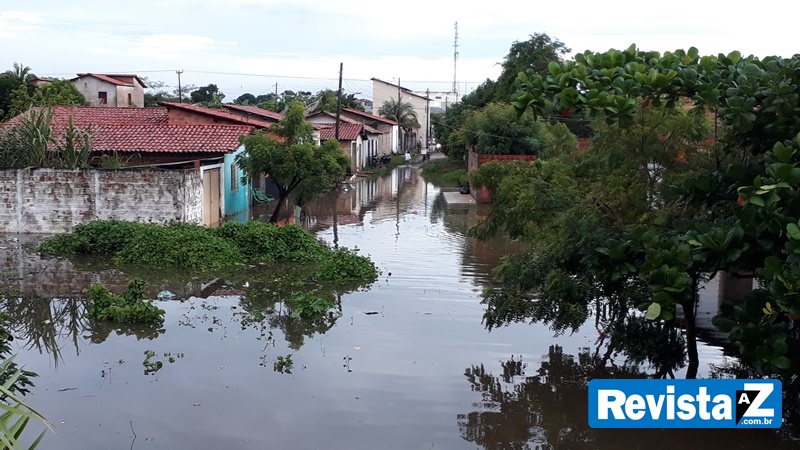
x=399 y=127
x=276 y=97
x=180 y=92
x=455 y=63
x=339 y=101
x=427 y=118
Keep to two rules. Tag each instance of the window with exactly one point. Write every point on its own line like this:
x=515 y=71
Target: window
x=130 y=100
x=438 y=97
x=102 y=98
x=234 y=178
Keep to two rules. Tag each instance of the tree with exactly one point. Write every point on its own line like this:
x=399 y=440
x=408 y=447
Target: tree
x=21 y=73
x=205 y=94
x=403 y=113
x=246 y=99
x=534 y=54
x=295 y=163
x=739 y=214
x=56 y=93
x=496 y=130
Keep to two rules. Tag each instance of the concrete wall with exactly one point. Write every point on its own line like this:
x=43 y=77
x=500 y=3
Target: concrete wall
x=91 y=86
x=55 y=200
x=382 y=92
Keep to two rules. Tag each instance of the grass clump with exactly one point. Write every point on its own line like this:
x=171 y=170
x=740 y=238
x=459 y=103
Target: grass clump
x=344 y=265
x=132 y=306
x=445 y=172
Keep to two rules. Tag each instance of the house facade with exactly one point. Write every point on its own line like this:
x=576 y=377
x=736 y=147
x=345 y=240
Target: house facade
x=111 y=90
x=382 y=91
x=388 y=129
x=359 y=140
x=137 y=137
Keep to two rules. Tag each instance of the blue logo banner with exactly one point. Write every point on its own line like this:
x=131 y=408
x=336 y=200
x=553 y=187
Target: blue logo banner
x=685 y=404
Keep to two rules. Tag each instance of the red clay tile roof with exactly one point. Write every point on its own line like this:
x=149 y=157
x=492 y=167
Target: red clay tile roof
x=168 y=138
x=84 y=116
x=256 y=111
x=342 y=119
x=369 y=116
x=117 y=79
x=218 y=114
x=144 y=130
x=347 y=132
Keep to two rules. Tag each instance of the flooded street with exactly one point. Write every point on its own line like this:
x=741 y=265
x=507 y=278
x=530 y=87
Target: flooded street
x=407 y=365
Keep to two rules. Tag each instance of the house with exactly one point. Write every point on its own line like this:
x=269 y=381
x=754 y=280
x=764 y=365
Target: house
x=111 y=90
x=254 y=112
x=382 y=91
x=360 y=141
x=148 y=137
x=388 y=139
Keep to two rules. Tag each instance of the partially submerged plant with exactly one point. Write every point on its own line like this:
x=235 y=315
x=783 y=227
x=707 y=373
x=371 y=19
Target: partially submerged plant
x=16 y=413
x=283 y=364
x=131 y=306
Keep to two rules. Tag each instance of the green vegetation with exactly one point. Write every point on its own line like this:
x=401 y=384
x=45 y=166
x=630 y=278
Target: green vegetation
x=283 y=364
x=16 y=412
x=185 y=246
x=447 y=172
x=32 y=143
x=345 y=265
x=293 y=161
x=310 y=306
x=694 y=169
x=132 y=306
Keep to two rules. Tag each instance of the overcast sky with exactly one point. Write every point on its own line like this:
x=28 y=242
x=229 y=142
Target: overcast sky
x=249 y=45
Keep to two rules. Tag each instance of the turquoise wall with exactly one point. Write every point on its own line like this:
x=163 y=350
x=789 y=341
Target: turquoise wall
x=237 y=201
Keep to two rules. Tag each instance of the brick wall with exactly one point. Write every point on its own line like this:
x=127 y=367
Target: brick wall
x=474 y=161
x=55 y=200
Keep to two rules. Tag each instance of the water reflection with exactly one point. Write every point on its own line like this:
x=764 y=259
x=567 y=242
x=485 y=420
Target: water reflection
x=548 y=410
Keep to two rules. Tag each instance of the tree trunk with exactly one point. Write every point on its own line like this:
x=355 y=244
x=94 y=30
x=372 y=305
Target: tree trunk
x=691 y=339
x=275 y=214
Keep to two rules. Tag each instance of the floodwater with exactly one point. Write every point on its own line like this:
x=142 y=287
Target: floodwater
x=407 y=365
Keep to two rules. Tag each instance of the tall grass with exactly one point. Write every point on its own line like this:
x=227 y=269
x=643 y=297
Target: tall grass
x=33 y=143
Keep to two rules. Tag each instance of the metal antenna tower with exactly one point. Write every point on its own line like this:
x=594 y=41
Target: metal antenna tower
x=455 y=63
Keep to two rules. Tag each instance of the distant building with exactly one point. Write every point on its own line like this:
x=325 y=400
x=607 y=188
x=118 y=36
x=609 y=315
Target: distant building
x=440 y=100
x=111 y=90
x=383 y=91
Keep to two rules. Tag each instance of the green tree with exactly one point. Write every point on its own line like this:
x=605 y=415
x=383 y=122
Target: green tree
x=56 y=93
x=21 y=73
x=403 y=113
x=246 y=99
x=496 y=130
x=205 y=94
x=738 y=215
x=295 y=163
x=534 y=54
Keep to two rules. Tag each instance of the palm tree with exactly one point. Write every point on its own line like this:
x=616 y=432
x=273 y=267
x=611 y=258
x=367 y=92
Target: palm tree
x=21 y=73
x=401 y=112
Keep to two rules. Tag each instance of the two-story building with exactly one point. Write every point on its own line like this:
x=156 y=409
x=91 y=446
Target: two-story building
x=412 y=138
x=111 y=90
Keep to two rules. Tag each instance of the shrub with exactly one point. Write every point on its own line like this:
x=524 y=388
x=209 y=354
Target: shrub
x=131 y=306
x=344 y=265
x=99 y=236
x=179 y=245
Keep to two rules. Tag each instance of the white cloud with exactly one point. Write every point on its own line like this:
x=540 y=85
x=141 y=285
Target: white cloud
x=14 y=23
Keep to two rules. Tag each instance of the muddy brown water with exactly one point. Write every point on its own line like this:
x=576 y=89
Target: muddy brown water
x=407 y=365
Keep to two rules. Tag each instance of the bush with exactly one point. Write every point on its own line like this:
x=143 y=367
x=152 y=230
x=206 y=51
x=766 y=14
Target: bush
x=310 y=306
x=130 y=307
x=179 y=245
x=445 y=172
x=99 y=236
x=345 y=265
